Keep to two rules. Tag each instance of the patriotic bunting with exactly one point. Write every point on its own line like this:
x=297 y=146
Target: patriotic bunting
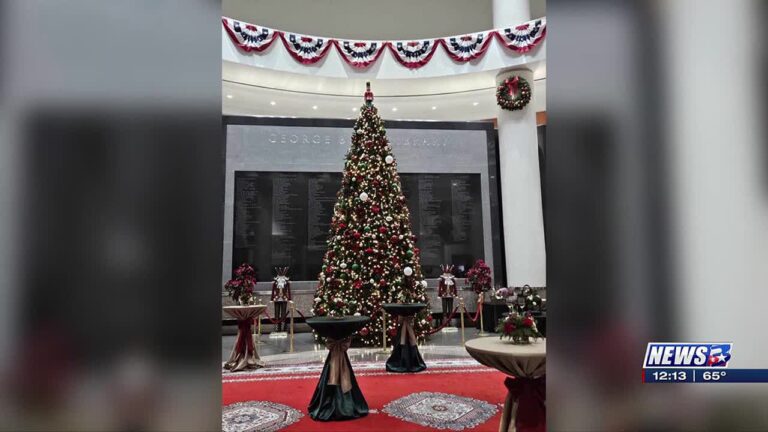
x=414 y=54
x=306 y=49
x=411 y=54
x=524 y=37
x=248 y=36
x=360 y=54
x=467 y=47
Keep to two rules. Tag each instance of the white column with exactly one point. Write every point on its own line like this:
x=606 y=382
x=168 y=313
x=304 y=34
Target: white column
x=519 y=167
x=510 y=12
x=521 y=193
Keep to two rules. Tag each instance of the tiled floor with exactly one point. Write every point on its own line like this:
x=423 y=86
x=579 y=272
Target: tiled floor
x=439 y=345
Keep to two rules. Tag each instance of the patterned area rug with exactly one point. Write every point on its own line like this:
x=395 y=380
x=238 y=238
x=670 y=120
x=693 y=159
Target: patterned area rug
x=450 y=395
x=257 y=416
x=441 y=410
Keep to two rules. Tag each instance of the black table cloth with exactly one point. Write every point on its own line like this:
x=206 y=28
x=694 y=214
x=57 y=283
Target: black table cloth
x=405 y=352
x=492 y=313
x=337 y=396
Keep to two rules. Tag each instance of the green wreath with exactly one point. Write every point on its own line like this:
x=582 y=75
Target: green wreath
x=514 y=93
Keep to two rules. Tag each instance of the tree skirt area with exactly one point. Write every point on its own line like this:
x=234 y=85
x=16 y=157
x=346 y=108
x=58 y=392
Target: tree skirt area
x=451 y=395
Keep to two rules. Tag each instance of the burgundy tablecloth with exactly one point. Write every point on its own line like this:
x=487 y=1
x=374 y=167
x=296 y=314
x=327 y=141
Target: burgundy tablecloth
x=244 y=355
x=525 y=405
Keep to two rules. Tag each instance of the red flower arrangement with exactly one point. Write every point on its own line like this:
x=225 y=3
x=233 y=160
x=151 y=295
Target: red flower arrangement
x=479 y=277
x=519 y=328
x=240 y=287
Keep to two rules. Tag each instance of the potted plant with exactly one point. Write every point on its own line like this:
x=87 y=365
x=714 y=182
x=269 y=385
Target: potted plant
x=518 y=328
x=240 y=287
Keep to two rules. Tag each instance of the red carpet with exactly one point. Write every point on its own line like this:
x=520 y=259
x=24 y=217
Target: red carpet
x=379 y=388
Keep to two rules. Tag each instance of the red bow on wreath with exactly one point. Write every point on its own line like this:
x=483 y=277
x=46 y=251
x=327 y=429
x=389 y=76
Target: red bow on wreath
x=512 y=85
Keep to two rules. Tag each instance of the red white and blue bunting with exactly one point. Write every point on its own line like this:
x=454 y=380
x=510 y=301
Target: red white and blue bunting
x=360 y=54
x=467 y=47
x=411 y=54
x=524 y=37
x=306 y=49
x=414 y=54
x=249 y=37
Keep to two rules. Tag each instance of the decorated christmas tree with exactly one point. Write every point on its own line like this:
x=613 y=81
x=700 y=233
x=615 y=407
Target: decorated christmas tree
x=372 y=256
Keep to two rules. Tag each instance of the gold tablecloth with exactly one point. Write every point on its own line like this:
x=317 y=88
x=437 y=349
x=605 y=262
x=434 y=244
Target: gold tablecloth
x=244 y=355
x=524 y=362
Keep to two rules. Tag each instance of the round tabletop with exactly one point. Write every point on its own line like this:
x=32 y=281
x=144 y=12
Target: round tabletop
x=403 y=309
x=528 y=361
x=337 y=328
x=245 y=311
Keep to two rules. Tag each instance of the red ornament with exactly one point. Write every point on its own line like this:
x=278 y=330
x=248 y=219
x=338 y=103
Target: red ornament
x=358 y=284
x=375 y=209
x=383 y=230
x=394 y=239
x=369 y=251
x=382 y=282
x=356 y=235
x=321 y=311
x=364 y=331
x=392 y=332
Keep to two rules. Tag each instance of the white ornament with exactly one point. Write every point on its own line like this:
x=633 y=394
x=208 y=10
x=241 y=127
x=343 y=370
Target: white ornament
x=343 y=265
x=408 y=271
x=357 y=313
x=363 y=197
x=372 y=281
x=317 y=299
x=389 y=218
x=327 y=279
x=424 y=283
x=389 y=159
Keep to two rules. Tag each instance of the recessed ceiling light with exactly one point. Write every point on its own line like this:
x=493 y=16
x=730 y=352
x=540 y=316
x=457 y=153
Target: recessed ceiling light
x=314 y=106
x=354 y=108
x=272 y=103
x=434 y=107
x=394 y=108
x=475 y=103
x=229 y=96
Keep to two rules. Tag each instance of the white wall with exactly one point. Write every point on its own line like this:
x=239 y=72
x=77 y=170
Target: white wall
x=366 y=19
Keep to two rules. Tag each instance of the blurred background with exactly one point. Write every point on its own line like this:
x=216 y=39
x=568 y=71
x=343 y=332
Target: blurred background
x=656 y=208
x=111 y=187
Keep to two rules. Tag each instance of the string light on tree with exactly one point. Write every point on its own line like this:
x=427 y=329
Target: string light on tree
x=372 y=256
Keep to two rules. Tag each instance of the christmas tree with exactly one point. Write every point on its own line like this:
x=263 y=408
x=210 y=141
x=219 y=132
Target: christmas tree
x=372 y=256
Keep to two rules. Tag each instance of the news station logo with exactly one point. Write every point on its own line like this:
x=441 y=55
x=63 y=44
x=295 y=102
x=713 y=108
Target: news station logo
x=672 y=355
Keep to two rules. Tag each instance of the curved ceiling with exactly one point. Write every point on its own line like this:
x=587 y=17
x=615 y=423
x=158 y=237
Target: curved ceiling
x=262 y=92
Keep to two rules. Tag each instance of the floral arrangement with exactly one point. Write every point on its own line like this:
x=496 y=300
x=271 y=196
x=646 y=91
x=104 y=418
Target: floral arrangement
x=479 y=277
x=501 y=294
x=513 y=94
x=519 y=328
x=533 y=301
x=240 y=287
